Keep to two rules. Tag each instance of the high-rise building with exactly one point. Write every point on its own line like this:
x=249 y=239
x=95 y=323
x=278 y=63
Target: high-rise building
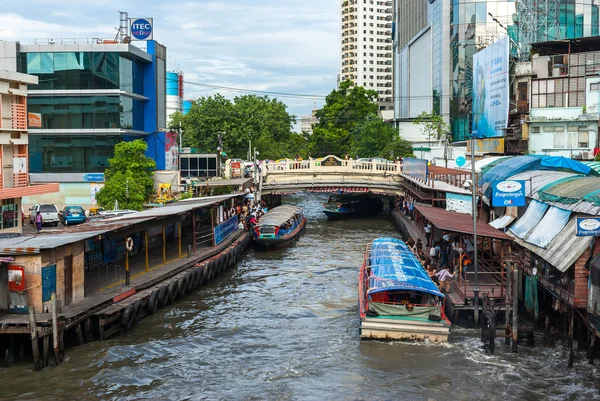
x=454 y=32
x=367 y=47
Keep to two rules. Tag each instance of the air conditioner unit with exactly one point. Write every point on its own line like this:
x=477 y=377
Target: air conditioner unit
x=586 y=155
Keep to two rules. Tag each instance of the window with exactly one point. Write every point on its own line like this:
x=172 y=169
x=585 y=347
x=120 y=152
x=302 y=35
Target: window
x=595 y=86
x=535 y=129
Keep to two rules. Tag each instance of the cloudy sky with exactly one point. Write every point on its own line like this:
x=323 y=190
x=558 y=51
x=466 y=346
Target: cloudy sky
x=286 y=46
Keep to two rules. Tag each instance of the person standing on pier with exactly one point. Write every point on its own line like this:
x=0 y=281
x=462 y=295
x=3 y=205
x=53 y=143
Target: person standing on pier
x=428 y=234
x=38 y=221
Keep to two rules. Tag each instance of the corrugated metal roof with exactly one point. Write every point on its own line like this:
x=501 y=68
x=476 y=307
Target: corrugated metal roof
x=221 y=183
x=279 y=215
x=593 y=165
x=33 y=244
x=573 y=190
x=457 y=222
x=564 y=249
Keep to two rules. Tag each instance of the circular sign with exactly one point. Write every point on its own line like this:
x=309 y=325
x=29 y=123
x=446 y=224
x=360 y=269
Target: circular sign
x=589 y=224
x=141 y=29
x=460 y=161
x=508 y=186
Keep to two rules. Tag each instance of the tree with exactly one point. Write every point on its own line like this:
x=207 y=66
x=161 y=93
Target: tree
x=432 y=126
x=344 y=109
x=129 y=178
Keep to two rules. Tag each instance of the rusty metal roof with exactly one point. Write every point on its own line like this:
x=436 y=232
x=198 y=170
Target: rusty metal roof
x=564 y=249
x=458 y=222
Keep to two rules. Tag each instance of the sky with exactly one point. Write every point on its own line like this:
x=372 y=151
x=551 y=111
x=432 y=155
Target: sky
x=284 y=46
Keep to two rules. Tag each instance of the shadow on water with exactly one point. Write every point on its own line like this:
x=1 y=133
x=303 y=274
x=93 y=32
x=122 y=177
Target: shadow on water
x=283 y=325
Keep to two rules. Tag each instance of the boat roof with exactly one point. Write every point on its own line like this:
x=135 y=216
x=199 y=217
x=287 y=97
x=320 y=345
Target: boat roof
x=395 y=267
x=279 y=215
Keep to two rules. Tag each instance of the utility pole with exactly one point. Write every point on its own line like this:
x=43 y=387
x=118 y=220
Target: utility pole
x=474 y=211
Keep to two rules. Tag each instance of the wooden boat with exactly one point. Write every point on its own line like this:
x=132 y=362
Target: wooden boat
x=279 y=227
x=397 y=299
x=348 y=206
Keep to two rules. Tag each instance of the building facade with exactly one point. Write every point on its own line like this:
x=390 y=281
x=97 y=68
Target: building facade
x=89 y=97
x=367 y=47
x=14 y=138
x=174 y=94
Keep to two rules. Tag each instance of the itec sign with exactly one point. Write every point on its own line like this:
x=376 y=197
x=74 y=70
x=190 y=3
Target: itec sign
x=140 y=28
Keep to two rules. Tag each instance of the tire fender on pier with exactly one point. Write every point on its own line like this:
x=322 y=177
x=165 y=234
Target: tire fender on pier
x=227 y=261
x=172 y=291
x=128 y=316
x=206 y=272
x=182 y=285
x=198 y=274
x=153 y=302
x=163 y=295
x=191 y=281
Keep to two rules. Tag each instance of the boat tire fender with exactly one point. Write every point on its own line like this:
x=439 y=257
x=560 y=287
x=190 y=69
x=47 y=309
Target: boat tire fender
x=128 y=316
x=191 y=279
x=371 y=313
x=206 y=272
x=182 y=286
x=198 y=277
x=153 y=302
x=435 y=318
x=227 y=263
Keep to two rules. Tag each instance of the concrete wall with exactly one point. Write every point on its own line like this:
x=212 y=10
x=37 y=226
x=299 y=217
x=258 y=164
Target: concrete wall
x=71 y=194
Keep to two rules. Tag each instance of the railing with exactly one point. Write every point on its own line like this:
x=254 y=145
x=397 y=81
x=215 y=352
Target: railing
x=328 y=166
x=20 y=180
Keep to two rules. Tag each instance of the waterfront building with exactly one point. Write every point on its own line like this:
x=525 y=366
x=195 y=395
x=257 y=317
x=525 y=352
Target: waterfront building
x=14 y=141
x=91 y=94
x=453 y=32
x=367 y=47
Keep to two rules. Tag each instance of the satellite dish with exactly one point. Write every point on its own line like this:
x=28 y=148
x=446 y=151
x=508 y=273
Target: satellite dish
x=127 y=39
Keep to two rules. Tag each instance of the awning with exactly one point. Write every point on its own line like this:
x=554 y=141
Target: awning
x=457 y=222
x=530 y=219
x=549 y=227
x=563 y=250
x=509 y=216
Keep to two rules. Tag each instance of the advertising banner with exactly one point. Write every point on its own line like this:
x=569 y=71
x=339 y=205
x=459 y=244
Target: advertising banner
x=491 y=90
x=140 y=28
x=416 y=168
x=224 y=229
x=488 y=146
x=587 y=226
x=508 y=193
x=171 y=151
x=459 y=203
x=34 y=120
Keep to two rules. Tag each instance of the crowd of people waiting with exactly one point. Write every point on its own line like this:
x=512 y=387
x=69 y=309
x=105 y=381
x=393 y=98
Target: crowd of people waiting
x=443 y=260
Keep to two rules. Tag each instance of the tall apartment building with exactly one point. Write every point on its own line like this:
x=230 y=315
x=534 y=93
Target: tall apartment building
x=367 y=47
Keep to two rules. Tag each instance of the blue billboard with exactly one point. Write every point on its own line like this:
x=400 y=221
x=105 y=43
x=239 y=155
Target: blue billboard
x=587 y=226
x=491 y=90
x=224 y=229
x=508 y=193
x=417 y=168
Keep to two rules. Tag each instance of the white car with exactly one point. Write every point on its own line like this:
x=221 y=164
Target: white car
x=48 y=211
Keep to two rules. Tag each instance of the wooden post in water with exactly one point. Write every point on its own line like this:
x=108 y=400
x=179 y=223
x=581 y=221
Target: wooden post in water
x=515 y=308
x=571 y=332
x=507 y=309
x=179 y=236
x=35 y=345
x=87 y=330
x=55 y=344
x=45 y=350
x=146 y=250
x=164 y=238
x=78 y=334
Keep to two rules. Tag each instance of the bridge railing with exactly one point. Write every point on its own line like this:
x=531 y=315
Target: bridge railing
x=328 y=166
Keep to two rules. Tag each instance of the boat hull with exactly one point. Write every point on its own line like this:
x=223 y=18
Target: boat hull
x=331 y=215
x=388 y=329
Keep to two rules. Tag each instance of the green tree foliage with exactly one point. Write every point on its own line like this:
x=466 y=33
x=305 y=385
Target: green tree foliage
x=344 y=109
x=130 y=173
x=433 y=126
x=374 y=138
x=597 y=157
x=259 y=119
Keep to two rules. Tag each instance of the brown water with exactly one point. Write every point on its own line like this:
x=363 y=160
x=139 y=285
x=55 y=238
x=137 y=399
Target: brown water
x=283 y=325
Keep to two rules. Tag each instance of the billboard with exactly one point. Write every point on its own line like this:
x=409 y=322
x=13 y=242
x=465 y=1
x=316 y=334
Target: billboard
x=34 y=120
x=491 y=90
x=487 y=146
x=171 y=151
x=459 y=203
x=508 y=193
x=141 y=28
x=416 y=168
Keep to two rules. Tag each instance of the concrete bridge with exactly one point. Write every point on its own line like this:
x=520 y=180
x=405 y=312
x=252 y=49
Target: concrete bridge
x=331 y=174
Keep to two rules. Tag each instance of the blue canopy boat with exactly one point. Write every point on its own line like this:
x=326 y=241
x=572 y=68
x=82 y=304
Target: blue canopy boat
x=279 y=227
x=397 y=299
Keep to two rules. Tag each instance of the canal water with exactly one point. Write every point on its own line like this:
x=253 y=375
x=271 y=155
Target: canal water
x=282 y=325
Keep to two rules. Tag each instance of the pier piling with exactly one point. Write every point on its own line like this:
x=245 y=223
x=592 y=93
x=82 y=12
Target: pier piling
x=35 y=345
x=515 y=308
x=45 y=350
x=571 y=329
x=55 y=344
x=507 y=312
x=79 y=334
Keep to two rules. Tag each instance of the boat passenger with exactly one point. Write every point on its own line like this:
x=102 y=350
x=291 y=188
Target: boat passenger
x=444 y=277
x=411 y=242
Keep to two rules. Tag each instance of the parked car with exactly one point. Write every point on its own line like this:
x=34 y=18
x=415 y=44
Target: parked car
x=71 y=215
x=48 y=211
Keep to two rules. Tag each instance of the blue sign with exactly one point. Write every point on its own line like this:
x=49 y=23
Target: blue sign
x=587 y=226
x=48 y=282
x=224 y=229
x=417 y=168
x=93 y=177
x=141 y=28
x=460 y=161
x=508 y=193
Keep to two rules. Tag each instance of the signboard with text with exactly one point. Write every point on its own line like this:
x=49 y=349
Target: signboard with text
x=141 y=28
x=34 y=120
x=508 y=193
x=587 y=226
x=417 y=168
x=491 y=90
x=487 y=146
